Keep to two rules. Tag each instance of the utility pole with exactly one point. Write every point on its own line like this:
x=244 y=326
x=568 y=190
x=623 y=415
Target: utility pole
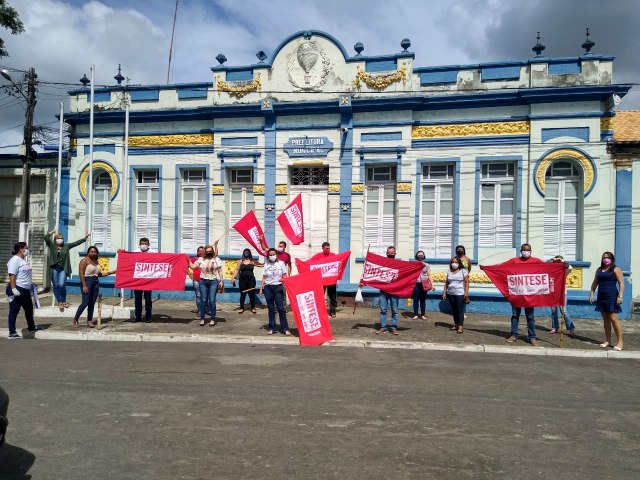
x=28 y=156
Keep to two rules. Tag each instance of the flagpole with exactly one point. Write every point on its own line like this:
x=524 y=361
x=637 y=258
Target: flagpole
x=223 y=235
x=562 y=326
x=89 y=222
x=361 y=275
x=58 y=198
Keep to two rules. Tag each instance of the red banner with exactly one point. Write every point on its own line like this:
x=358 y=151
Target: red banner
x=396 y=277
x=291 y=221
x=251 y=230
x=529 y=284
x=151 y=271
x=331 y=267
x=306 y=295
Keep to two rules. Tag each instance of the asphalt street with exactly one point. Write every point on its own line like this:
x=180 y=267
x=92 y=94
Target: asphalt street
x=127 y=410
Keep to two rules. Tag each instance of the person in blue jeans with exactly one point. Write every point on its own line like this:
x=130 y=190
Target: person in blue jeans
x=211 y=280
x=568 y=322
x=90 y=272
x=274 y=272
x=388 y=301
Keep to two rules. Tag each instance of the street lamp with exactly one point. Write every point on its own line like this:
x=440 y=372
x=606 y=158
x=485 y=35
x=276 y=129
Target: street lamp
x=27 y=154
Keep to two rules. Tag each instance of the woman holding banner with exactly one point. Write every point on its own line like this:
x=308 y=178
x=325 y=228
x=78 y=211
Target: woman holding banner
x=423 y=285
x=246 y=279
x=457 y=289
x=89 y=271
x=211 y=279
x=274 y=272
x=610 y=284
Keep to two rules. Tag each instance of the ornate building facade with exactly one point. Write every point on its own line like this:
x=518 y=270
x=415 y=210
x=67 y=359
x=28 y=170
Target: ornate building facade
x=383 y=151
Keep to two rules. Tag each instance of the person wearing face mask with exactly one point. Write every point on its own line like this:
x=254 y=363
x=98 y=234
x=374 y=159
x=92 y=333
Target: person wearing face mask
x=610 y=284
x=568 y=321
x=329 y=290
x=60 y=264
x=465 y=262
x=143 y=246
x=456 y=289
x=423 y=285
x=19 y=289
x=274 y=272
x=284 y=256
x=387 y=300
x=211 y=279
x=525 y=257
x=89 y=271
x=246 y=279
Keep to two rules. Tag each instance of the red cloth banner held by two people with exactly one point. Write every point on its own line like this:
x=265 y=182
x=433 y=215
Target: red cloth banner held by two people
x=528 y=285
x=331 y=267
x=396 y=277
x=291 y=221
x=151 y=271
x=306 y=295
x=249 y=227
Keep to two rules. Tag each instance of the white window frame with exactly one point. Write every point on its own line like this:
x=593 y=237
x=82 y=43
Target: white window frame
x=240 y=181
x=193 y=193
x=380 y=228
x=497 y=230
x=436 y=230
x=101 y=230
x=147 y=224
x=562 y=231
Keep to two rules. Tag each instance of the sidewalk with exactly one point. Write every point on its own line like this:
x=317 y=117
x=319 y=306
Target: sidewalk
x=175 y=321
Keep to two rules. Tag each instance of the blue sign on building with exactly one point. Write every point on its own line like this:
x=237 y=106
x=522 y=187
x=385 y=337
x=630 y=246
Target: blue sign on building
x=308 y=147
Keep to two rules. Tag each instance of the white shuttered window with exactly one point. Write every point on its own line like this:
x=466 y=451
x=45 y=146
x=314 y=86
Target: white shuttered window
x=241 y=202
x=562 y=211
x=101 y=231
x=380 y=209
x=497 y=206
x=436 y=212
x=147 y=214
x=193 y=220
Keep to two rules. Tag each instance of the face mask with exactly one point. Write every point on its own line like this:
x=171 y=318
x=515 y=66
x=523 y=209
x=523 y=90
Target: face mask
x=454 y=266
x=59 y=241
x=209 y=254
x=93 y=256
x=246 y=255
x=25 y=252
x=420 y=258
x=144 y=248
x=391 y=255
x=460 y=253
x=526 y=253
x=326 y=251
x=272 y=258
x=606 y=261
x=280 y=249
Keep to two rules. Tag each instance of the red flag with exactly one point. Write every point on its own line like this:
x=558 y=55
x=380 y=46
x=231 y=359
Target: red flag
x=251 y=230
x=306 y=295
x=331 y=266
x=291 y=221
x=396 y=277
x=529 y=284
x=151 y=271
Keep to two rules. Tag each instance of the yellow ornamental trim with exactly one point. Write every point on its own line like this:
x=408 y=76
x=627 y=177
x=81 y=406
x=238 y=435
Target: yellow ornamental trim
x=229 y=268
x=239 y=89
x=574 y=278
x=471 y=129
x=73 y=143
x=258 y=189
x=403 y=187
x=380 y=81
x=83 y=181
x=606 y=123
x=333 y=188
x=217 y=189
x=281 y=188
x=104 y=263
x=171 y=140
x=563 y=153
x=357 y=188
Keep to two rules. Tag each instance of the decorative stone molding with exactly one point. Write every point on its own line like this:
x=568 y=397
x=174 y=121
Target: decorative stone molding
x=217 y=189
x=471 y=129
x=357 y=188
x=104 y=263
x=239 y=89
x=382 y=80
x=333 y=188
x=84 y=175
x=309 y=67
x=258 y=189
x=171 y=140
x=574 y=278
x=229 y=268
x=282 y=189
x=403 y=187
x=606 y=123
x=542 y=166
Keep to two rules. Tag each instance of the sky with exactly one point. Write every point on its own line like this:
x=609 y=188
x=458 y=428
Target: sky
x=63 y=38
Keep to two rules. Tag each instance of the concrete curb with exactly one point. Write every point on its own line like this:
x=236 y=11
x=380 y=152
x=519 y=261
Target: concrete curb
x=112 y=336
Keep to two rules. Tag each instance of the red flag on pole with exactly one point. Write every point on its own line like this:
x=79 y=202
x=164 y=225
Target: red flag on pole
x=306 y=295
x=529 y=284
x=291 y=221
x=331 y=267
x=396 y=277
x=249 y=227
x=151 y=271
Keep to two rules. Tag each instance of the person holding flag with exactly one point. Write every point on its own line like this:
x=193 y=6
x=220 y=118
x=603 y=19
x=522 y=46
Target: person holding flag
x=330 y=290
x=284 y=256
x=275 y=271
x=525 y=257
x=388 y=300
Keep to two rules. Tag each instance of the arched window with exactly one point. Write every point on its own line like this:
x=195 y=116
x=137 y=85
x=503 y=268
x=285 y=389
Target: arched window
x=101 y=234
x=563 y=210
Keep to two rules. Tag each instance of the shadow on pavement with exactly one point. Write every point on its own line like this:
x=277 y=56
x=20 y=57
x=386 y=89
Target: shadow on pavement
x=15 y=462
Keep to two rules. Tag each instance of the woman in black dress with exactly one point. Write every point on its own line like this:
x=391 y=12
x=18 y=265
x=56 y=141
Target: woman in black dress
x=246 y=279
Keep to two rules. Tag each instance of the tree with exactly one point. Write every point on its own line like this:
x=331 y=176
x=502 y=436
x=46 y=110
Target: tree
x=10 y=20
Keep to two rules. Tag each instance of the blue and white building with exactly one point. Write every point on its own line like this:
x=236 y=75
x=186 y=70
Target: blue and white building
x=384 y=152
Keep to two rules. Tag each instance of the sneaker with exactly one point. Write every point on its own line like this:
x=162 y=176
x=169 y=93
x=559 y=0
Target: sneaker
x=552 y=331
x=14 y=336
x=37 y=328
x=394 y=331
x=511 y=339
x=287 y=333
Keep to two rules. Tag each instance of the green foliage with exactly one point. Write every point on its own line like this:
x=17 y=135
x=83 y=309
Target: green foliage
x=10 y=20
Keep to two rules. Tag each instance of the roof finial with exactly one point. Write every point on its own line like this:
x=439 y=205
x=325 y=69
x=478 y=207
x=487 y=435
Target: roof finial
x=538 y=47
x=119 y=78
x=588 y=44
